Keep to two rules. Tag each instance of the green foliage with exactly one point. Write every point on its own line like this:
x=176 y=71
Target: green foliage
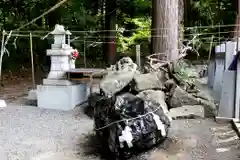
x=140 y=35
x=210 y=13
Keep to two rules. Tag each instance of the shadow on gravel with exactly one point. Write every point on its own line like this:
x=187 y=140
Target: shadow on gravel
x=89 y=111
x=91 y=147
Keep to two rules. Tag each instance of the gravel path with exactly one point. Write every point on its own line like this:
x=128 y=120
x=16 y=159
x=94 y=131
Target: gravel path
x=199 y=140
x=30 y=133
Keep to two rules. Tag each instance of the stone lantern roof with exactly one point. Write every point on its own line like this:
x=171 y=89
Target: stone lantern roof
x=68 y=32
x=58 y=30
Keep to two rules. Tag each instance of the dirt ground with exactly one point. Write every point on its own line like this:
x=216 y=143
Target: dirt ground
x=15 y=86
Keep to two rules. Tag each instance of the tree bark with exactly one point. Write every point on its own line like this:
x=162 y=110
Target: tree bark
x=165 y=27
x=110 y=27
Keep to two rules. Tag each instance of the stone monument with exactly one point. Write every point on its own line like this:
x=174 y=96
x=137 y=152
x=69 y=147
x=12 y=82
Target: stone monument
x=220 y=66
x=57 y=92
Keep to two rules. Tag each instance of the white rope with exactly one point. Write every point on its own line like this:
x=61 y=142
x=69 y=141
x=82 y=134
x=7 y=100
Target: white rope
x=6 y=41
x=88 y=37
x=127 y=120
x=1 y=54
x=95 y=31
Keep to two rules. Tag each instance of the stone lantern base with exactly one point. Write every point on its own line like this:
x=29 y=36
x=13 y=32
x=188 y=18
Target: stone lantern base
x=61 y=97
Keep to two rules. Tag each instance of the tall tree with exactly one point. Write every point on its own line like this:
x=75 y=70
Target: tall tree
x=165 y=27
x=110 y=27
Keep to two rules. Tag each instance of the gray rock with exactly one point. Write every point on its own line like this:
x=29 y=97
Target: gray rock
x=115 y=82
x=124 y=64
x=153 y=80
x=156 y=96
x=181 y=97
x=187 y=112
x=119 y=76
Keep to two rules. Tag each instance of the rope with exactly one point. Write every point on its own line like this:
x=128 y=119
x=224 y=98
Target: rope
x=130 y=119
x=88 y=37
x=96 y=31
x=91 y=37
x=6 y=41
x=42 y=15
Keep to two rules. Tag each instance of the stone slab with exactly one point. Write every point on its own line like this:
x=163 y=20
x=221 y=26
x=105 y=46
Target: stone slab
x=230 y=50
x=226 y=106
x=211 y=73
x=57 y=82
x=187 y=112
x=218 y=79
x=237 y=94
x=61 y=97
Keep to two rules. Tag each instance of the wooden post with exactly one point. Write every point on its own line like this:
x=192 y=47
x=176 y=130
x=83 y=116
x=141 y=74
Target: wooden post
x=32 y=62
x=1 y=55
x=138 y=56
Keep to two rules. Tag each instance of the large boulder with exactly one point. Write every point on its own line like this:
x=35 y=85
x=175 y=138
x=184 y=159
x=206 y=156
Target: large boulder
x=155 y=96
x=180 y=98
x=126 y=124
x=115 y=82
x=152 y=80
x=119 y=76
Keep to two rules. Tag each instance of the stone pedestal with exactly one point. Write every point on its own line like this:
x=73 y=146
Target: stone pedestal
x=226 y=106
x=220 y=66
x=61 y=97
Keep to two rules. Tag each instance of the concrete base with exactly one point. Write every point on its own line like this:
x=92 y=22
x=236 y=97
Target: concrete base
x=226 y=106
x=3 y=104
x=61 y=97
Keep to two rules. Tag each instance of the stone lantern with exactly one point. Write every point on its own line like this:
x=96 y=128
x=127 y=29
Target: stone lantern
x=60 y=54
x=57 y=92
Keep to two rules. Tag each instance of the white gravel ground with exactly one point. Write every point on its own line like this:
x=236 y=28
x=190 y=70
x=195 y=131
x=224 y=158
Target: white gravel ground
x=30 y=133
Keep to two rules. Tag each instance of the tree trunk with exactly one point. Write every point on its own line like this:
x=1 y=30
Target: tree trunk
x=237 y=21
x=110 y=27
x=165 y=28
